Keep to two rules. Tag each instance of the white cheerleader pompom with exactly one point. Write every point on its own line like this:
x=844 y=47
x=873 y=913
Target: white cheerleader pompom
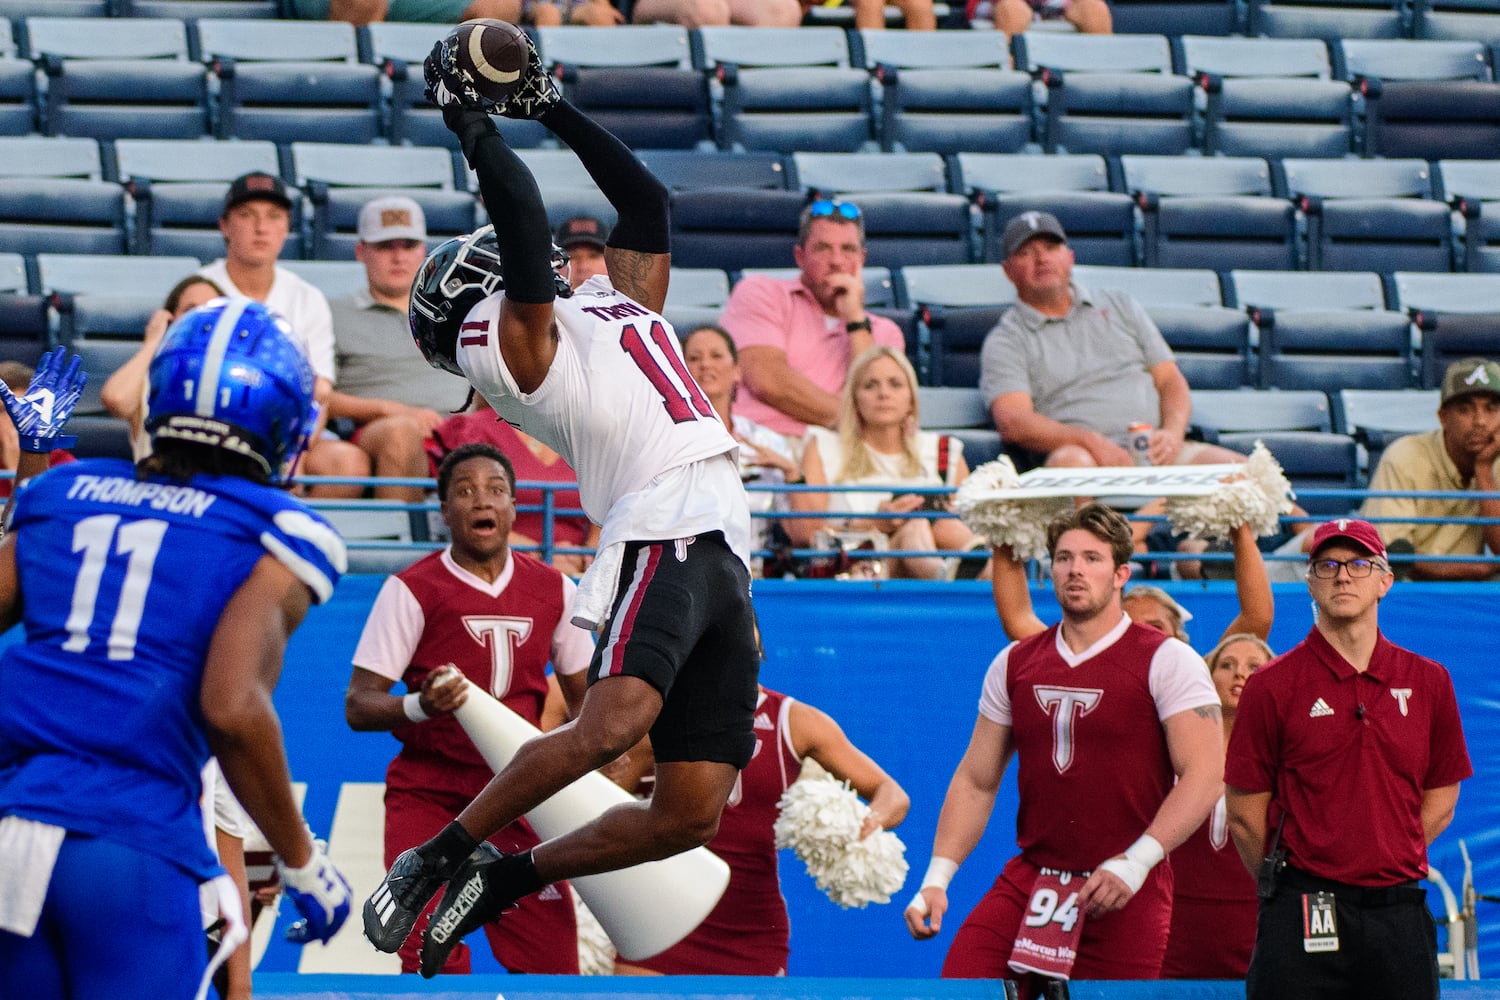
x=596 y=952
x=982 y=503
x=820 y=820
x=1258 y=497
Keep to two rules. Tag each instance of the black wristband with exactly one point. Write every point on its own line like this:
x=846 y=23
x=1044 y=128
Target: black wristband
x=858 y=324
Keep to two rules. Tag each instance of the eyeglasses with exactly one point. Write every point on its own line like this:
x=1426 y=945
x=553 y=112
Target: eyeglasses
x=825 y=207
x=1358 y=569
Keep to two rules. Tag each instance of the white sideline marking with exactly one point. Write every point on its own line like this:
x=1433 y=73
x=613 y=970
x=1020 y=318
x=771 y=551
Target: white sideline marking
x=356 y=843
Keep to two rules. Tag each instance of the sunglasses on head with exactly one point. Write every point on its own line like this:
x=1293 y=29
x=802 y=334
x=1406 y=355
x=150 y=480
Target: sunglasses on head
x=825 y=207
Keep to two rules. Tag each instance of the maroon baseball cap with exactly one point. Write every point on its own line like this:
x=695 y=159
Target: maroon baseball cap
x=257 y=186
x=1348 y=529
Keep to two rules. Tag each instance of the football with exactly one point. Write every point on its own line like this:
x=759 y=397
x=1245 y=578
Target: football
x=492 y=54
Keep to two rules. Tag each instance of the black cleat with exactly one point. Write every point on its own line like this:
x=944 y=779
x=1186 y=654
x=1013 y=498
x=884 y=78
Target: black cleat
x=487 y=884
x=393 y=908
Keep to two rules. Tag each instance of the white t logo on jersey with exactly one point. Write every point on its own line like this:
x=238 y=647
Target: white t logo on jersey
x=1401 y=695
x=1065 y=704
x=503 y=635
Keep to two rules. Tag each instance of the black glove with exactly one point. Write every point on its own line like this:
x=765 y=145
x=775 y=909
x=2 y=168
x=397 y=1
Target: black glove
x=447 y=85
x=536 y=92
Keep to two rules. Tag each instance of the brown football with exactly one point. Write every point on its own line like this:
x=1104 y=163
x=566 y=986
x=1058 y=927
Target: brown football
x=491 y=54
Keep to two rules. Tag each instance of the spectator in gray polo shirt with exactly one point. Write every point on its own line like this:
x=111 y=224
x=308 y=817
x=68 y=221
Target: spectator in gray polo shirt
x=1068 y=370
x=393 y=403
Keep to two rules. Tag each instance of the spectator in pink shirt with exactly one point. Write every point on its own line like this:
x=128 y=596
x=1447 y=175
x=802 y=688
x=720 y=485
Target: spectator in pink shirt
x=796 y=337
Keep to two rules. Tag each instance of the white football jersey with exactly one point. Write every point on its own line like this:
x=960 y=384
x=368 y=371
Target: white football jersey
x=619 y=406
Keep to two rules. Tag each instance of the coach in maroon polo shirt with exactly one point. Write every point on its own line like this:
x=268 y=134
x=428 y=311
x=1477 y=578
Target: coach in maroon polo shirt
x=1351 y=747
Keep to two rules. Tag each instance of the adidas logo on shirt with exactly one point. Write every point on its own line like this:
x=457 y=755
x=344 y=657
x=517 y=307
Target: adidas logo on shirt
x=1320 y=708
x=763 y=721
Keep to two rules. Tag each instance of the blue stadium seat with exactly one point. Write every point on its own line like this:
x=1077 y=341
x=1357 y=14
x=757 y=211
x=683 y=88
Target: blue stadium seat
x=787 y=108
x=689 y=168
x=339 y=179
x=1109 y=94
x=178 y=187
x=857 y=173
x=1446 y=293
x=193 y=10
x=18 y=110
x=43 y=156
x=61 y=215
x=955 y=307
x=1450 y=337
x=1392 y=60
x=1434 y=120
x=567 y=189
x=1211 y=341
x=1371 y=215
x=1177 y=17
x=25 y=325
x=948 y=110
x=1075 y=188
x=113 y=276
x=14 y=279
x=1328 y=19
x=786 y=89
x=1217 y=212
x=960 y=413
x=1319 y=330
x=698 y=286
x=931 y=50
x=1457 y=20
x=661 y=45
x=1311 y=461
x=880 y=283
x=101 y=436
x=1473 y=187
x=1232 y=411
x=95 y=317
x=734 y=228
x=1269 y=97
x=1376 y=417
x=114 y=77
x=763 y=47
x=291 y=81
x=334 y=278
x=648 y=107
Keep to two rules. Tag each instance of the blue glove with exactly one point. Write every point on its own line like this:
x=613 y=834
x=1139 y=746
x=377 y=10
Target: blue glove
x=39 y=415
x=320 y=894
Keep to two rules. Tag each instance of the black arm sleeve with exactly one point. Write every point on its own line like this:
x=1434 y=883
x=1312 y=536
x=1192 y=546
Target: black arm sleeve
x=639 y=199
x=514 y=205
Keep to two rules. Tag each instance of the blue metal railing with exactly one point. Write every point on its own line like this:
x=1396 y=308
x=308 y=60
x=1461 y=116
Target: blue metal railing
x=547 y=547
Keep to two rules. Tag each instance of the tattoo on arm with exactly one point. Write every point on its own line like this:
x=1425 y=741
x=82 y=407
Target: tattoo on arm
x=630 y=271
x=1208 y=712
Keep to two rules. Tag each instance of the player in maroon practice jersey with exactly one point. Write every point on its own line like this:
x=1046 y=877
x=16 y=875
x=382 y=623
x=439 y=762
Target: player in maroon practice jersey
x=1102 y=715
x=499 y=617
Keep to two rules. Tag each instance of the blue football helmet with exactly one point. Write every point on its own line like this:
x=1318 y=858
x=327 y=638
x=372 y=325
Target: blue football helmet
x=231 y=374
x=454 y=278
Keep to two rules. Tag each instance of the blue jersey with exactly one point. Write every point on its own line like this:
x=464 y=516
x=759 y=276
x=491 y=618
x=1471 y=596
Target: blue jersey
x=123 y=583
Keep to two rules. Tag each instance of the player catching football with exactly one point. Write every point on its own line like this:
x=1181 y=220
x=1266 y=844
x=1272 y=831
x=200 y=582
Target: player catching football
x=598 y=376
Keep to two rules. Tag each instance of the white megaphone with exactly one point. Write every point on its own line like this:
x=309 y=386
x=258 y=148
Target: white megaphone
x=645 y=909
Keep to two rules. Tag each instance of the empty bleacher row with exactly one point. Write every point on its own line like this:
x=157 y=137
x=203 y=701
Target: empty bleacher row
x=736 y=210
x=817 y=88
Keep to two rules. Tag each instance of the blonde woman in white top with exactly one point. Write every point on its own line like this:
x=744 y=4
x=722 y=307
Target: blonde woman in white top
x=877 y=443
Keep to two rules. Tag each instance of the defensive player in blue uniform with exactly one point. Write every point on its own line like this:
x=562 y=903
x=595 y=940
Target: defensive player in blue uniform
x=157 y=601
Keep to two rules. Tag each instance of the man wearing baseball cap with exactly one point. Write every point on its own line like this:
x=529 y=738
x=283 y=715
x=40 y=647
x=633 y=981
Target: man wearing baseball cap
x=584 y=237
x=1461 y=457
x=255 y=223
x=1343 y=766
x=1068 y=370
x=393 y=405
